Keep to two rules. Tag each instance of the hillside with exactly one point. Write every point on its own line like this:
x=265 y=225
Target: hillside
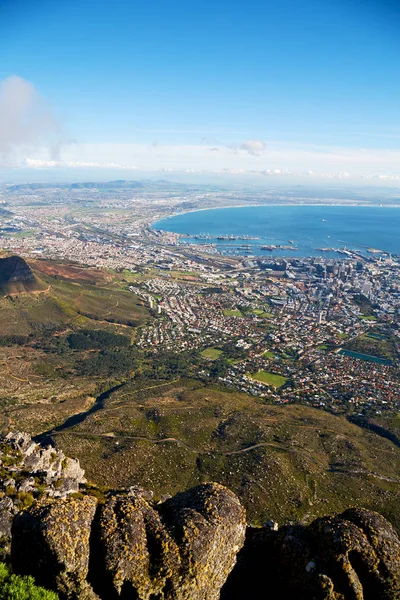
x=284 y=462
x=39 y=363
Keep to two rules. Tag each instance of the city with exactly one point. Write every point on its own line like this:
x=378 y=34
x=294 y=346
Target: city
x=319 y=331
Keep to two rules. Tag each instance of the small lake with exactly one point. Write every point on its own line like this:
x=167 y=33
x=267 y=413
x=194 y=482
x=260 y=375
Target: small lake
x=368 y=357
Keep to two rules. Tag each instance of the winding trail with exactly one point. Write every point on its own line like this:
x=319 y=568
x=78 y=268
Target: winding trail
x=302 y=453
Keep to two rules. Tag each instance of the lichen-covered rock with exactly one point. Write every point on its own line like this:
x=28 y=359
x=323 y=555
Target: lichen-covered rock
x=186 y=547
x=209 y=525
x=7 y=512
x=52 y=541
x=182 y=550
x=59 y=474
x=138 y=552
x=352 y=556
x=359 y=552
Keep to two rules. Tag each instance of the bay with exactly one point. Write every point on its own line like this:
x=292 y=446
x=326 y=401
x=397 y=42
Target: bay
x=305 y=227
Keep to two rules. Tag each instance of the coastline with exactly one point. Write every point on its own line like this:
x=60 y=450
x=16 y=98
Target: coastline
x=343 y=225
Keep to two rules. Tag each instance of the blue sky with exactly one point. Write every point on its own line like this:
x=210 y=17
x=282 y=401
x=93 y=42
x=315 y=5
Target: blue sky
x=293 y=86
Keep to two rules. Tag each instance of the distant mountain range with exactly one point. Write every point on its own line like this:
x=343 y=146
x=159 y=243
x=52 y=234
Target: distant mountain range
x=117 y=184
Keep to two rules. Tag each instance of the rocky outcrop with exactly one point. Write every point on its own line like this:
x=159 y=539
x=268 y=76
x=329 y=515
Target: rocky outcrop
x=16 y=275
x=51 y=540
x=193 y=546
x=32 y=467
x=28 y=471
x=352 y=556
x=183 y=549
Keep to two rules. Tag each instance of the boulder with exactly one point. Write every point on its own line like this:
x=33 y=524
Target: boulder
x=209 y=525
x=140 y=558
x=51 y=540
x=182 y=549
x=7 y=512
x=351 y=556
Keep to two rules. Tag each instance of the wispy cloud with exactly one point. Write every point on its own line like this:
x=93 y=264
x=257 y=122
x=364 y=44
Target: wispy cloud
x=26 y=121
x=49 y=164
x=254 y=147
x=275 y=160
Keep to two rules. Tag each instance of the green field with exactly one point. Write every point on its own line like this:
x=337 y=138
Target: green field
x=211 y=353
x=232 y=313
x=276 y=381
x=261 y=313
x=269 y=354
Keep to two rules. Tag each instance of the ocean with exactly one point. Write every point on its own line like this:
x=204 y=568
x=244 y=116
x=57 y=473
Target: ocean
x=303 y=229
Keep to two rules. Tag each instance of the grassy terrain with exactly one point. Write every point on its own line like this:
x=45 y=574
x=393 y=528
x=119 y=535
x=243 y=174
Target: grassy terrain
x=269 y=378
x=67 y=299
x=232 y=313
x=43 y=379
x=211 y=353
x=269 y=354
x=285 y=462
x=261 y=313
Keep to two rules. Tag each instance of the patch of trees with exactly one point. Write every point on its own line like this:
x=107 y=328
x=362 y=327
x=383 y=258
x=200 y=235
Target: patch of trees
x=108 y=362
x=211 y=290
x=96 y=339
x=171 y=366
x=365 y=345
x=364 y=304
x=13 y=340
x=219 y=368
x=230 y=349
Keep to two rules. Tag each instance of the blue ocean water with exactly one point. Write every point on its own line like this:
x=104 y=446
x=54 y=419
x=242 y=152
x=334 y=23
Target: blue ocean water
x=307 y=228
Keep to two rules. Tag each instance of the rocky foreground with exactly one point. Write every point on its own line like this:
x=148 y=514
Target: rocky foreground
x=194 y=546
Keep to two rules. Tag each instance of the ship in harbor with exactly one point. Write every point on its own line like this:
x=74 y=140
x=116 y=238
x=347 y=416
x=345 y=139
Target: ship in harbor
x=272 y=247
x=223 y=237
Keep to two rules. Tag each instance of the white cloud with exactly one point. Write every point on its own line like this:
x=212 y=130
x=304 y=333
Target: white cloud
x=254 y=147
x=26 y=121
x=35 y=163
x=277 y=160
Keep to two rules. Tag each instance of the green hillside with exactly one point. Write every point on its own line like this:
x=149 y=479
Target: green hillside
x=284 y=462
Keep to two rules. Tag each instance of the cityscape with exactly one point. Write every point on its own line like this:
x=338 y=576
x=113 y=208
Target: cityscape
x=315 y=330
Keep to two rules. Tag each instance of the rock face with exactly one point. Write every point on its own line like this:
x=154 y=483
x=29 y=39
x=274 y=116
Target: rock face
x=16 y=275
x=35 y=466
x=27 y=471
x=183 y=549
x=52 y=540
x=352 y=556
